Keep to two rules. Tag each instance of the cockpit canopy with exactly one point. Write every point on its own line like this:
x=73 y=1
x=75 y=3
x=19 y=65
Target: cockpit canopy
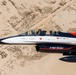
x=44 y=33
x=39 y=33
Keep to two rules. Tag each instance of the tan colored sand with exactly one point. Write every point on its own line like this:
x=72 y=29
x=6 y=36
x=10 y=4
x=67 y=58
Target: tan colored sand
x=45 y=66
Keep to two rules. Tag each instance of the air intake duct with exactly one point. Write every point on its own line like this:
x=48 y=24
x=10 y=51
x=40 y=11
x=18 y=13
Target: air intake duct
x=37 y=48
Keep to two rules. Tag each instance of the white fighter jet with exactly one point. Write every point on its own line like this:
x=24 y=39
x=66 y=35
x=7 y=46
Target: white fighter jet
x=52 y=42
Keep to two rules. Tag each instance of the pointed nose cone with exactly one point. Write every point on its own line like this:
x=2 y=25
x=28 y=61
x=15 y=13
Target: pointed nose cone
x=2 y=42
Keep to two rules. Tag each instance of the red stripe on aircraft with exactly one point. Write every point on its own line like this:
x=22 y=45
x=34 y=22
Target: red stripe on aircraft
x=57 y=49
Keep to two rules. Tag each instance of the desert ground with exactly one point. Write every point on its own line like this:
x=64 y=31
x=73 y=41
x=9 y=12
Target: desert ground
x=19 y=16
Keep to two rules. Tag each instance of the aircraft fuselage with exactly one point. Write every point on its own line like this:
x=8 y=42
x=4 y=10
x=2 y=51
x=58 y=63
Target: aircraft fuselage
x=38 y=40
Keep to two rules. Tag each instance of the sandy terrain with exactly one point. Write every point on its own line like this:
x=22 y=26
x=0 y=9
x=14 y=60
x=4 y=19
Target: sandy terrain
x=18 y=16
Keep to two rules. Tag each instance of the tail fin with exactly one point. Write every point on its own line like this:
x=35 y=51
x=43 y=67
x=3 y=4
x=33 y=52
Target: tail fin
x=73 y=33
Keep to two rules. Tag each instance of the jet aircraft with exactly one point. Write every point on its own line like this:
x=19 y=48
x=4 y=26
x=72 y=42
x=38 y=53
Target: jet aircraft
x=61 y=42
